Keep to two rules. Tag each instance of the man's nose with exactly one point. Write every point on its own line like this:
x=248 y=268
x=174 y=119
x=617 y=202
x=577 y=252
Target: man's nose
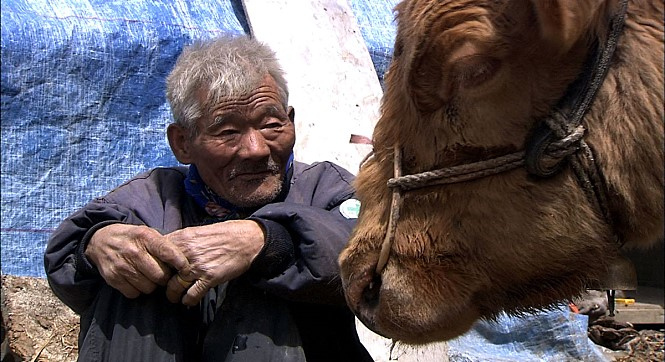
x=254 y=145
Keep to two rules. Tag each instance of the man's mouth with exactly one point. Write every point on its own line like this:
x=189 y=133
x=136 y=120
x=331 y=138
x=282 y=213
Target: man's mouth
x=254 y=172
x=252 y=175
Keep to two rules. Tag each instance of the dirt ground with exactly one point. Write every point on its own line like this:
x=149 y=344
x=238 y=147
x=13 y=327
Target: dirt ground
x=37 y=327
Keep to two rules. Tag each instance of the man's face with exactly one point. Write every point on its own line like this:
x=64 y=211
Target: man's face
x=243 y=145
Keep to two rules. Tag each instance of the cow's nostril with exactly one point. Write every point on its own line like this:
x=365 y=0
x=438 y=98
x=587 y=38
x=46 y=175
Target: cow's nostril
x=371 y=292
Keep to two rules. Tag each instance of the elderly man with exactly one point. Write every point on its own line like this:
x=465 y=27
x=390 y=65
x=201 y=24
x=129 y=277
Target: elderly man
x=230 y=259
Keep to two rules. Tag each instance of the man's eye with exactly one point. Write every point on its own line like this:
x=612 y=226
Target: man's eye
x=227 y=132
x=274 y=125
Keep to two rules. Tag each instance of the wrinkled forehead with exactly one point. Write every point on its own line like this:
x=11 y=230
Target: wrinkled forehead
x=214 y=93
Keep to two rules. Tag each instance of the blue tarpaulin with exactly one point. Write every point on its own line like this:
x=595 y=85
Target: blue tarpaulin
x=83 y=104
x=557 y=335
x=83 y=109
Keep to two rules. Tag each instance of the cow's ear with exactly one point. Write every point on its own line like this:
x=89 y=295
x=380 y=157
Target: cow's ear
x=563 y=22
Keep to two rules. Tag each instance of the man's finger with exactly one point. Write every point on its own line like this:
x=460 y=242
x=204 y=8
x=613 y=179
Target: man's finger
x=142 y=283
x=195 y=293
x=128 y=290
x=174 y=290
x=168 y=253
x=153 y=269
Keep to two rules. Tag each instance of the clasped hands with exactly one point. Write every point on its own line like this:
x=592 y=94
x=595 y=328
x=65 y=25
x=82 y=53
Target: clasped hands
x=136 y=259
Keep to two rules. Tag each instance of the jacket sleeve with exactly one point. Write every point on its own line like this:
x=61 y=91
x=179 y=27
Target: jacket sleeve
x=152 y=198
x=71 y=276
x=319 y=232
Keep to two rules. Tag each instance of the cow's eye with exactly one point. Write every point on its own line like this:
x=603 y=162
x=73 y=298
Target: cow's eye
x=473 y=71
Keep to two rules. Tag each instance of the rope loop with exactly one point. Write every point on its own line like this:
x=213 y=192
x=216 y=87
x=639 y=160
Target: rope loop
x=552 y=142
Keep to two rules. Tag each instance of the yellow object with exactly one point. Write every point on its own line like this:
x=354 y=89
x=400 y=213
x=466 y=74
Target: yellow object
x=625 y=301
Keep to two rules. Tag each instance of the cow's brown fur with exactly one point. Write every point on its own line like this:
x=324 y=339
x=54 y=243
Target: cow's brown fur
x=471 y=78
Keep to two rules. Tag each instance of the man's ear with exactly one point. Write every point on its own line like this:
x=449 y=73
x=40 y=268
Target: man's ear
x=179 y=140
x=292 y=113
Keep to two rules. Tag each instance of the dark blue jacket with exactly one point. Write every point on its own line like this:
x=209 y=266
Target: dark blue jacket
x=297 y=271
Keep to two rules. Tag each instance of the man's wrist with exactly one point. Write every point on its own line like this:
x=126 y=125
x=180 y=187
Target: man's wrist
x=81 y=262
x=278 y=251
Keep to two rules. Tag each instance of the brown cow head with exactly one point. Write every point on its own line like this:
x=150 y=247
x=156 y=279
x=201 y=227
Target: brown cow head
x=469 y=80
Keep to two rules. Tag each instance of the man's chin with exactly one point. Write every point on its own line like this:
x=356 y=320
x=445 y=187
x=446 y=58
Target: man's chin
x=249 y=196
